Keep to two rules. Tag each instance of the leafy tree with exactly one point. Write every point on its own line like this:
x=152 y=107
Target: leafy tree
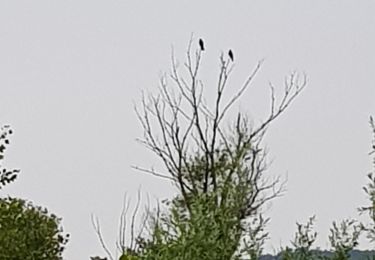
x=370 y=192
x=6 y=176
x=219 y=170
x=29 y=232
x=303 y=241
x=26 y=231
x=344 y=238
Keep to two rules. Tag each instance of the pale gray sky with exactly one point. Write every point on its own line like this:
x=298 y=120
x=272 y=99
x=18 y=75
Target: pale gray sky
x=70 y=71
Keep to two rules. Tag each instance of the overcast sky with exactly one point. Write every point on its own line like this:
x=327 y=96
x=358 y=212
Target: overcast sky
x=70 y=72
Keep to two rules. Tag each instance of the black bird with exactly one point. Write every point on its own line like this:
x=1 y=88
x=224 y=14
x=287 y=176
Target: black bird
x=230 y=53
x=201 y=44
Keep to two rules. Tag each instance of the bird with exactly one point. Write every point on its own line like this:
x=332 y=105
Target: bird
x=201 y=44
x=230 y=53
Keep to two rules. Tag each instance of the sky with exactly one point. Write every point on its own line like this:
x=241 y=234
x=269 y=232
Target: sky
x=71 y=72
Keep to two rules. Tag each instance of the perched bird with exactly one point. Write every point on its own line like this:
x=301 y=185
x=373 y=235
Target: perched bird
x=230 y=53
x=201 y=44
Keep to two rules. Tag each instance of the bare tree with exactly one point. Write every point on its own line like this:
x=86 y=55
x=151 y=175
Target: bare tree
x=187 y=136
x=203 y=157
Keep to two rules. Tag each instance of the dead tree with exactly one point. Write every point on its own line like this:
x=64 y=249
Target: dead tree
x=202 y=155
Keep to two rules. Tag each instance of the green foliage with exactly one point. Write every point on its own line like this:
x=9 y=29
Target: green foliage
x=212 y=225
x=218 y=169
x=29 y=232
x=128 y=257
x=6 y=176
x=209 y=233
x=26 y=231
x=370 y=192
x=344 y=238
x=303 y=241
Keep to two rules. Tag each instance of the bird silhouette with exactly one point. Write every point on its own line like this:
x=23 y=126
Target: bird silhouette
x=201 y=44
x=230 y=54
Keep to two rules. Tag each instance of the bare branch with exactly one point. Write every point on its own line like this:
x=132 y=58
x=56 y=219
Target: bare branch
x=96 y=225
x=153 y=172
x=132 y=240
x=292 y=89
x=242 y=90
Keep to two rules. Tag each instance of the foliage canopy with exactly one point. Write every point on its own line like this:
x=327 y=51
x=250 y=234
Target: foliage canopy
x=29 y=232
